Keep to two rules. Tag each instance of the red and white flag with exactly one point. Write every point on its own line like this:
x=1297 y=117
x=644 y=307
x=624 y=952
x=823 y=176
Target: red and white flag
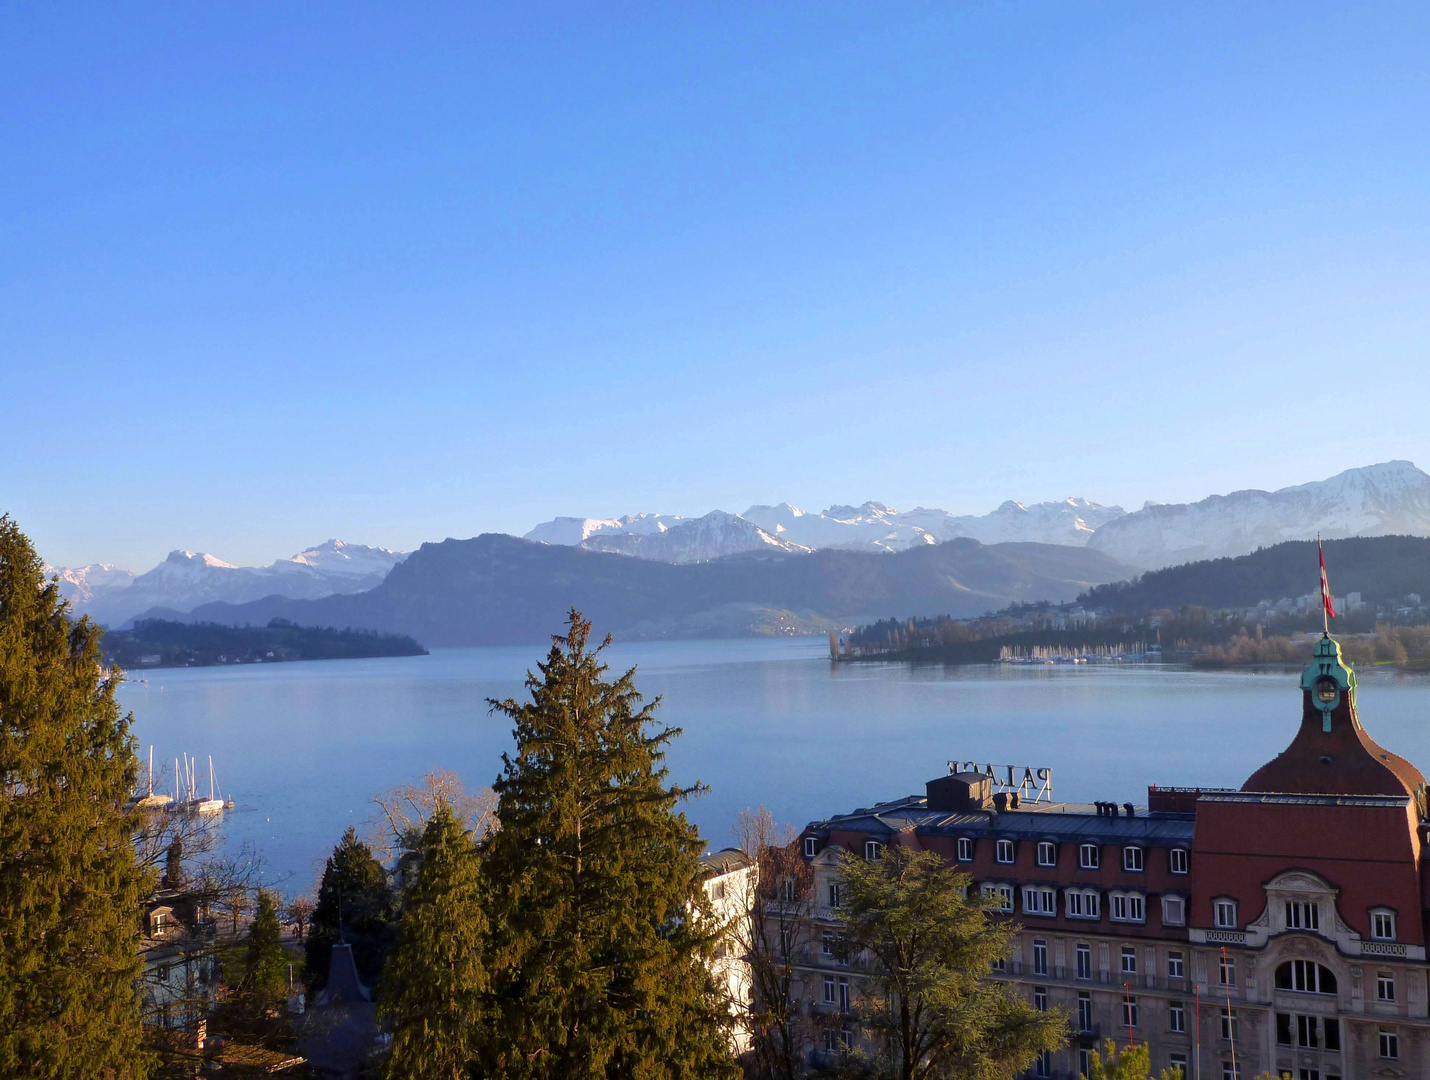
x=1325 y=588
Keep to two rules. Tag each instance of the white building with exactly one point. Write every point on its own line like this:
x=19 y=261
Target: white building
x=731 y=878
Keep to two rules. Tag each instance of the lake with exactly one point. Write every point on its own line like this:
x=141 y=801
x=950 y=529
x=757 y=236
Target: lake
x=303 y=747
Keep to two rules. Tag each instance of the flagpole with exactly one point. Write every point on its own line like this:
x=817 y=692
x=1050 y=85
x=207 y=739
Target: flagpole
x=1325 y=616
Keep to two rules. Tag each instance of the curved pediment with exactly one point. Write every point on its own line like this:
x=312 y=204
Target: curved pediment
x=1301 y=881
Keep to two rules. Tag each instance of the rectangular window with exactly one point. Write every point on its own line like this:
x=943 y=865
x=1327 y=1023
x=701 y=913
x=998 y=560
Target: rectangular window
x=1001 y=896
x=1308 y=1032
x=1174 y=964
x=1384 y=986
x=830 y=996
x=1040 y=957
x=1089 y=856
x=1224 y=914
x=1179 y=1061
x=1043 y=1064
x=1226 y=970
x=965 y=849
x=1084 y=1011
x=1084 y=961
x=1176 y=1017
x=786 y=941
x=831 y=1040
x=1389 y=1044
x=846 y=1038
x=1303 y=915
x=1040 y=998
x=1082 y=903
x=1178 y=861
x=826 y=943
x=1382 y=926
x=1174 y=910
x=1132 y=859
x=834 y=894
x=789 y=890
x=1129 y=908
x=873 y=849
x=811 y=847
x=999 y=965
x=1084 y=1062
x=1047 y=854
x=1129 y=1012
x=1230 y=1029
x=843 y=994
x=1004 y=852
x=1231 y=1070
x=1129 y=960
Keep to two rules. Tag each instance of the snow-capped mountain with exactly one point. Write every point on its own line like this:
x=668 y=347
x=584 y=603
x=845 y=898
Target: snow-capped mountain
x=691 y=540
x=1377 y=500
x=572 y=531
x=870 y=526
x=875 y=525
x=187 y=579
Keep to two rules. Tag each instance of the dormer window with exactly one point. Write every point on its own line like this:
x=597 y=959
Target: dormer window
x=1047 y=853
x=965 y=849
x=1178 y=861
x=1326 y=690
x=811 y=847
x=1089 y=856
x=873 y=850
x=1303 y=915
x=1132 y=859
x=1382 y=925
x=1005 y=851
x=1224 y=914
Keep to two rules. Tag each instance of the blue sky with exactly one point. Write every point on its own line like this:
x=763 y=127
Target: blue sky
x=274 y=273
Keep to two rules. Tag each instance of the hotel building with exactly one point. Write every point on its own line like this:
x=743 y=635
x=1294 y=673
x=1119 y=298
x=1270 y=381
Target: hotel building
x=1276 y=927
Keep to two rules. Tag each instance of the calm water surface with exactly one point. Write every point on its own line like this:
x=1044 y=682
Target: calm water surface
x=303 y=747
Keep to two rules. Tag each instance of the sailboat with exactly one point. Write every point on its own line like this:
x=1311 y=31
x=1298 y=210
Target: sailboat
x=152 y=801
x=213 y=804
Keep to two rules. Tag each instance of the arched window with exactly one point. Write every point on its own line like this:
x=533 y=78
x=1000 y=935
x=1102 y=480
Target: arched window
x=1306 y=977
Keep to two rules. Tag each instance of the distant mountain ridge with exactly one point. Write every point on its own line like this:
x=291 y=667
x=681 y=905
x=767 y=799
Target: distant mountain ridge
x=498 y=589
x=1392 y=498
x=187 y=579
x=872 y=526
x=1389 y=498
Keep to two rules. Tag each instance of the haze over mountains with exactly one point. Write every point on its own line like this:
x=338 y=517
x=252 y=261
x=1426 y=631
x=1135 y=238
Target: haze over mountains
x=498 y=589
x=1389 y=498
x=187 y=579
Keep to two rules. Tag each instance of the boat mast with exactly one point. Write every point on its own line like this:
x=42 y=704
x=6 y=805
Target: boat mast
x=211 y=776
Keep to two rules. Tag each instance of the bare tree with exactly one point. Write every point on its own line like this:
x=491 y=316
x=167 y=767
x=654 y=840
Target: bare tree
x=779 y=935
x=298 y=912
x=402 y=813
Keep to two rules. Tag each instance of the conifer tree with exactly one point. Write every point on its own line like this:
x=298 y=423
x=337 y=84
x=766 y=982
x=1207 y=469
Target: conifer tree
x=433 y=992
x=354 y=907
x=70 y=887
x=174 y=865
x=599 y=958
x=265 y=964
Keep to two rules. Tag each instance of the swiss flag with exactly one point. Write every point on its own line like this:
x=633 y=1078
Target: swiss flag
x=1325 y=588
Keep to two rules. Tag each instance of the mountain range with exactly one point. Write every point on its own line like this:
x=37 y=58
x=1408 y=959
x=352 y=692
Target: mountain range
x=498 y=589
x=1389 y=498
x=187 y=579
x=1378 y=500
